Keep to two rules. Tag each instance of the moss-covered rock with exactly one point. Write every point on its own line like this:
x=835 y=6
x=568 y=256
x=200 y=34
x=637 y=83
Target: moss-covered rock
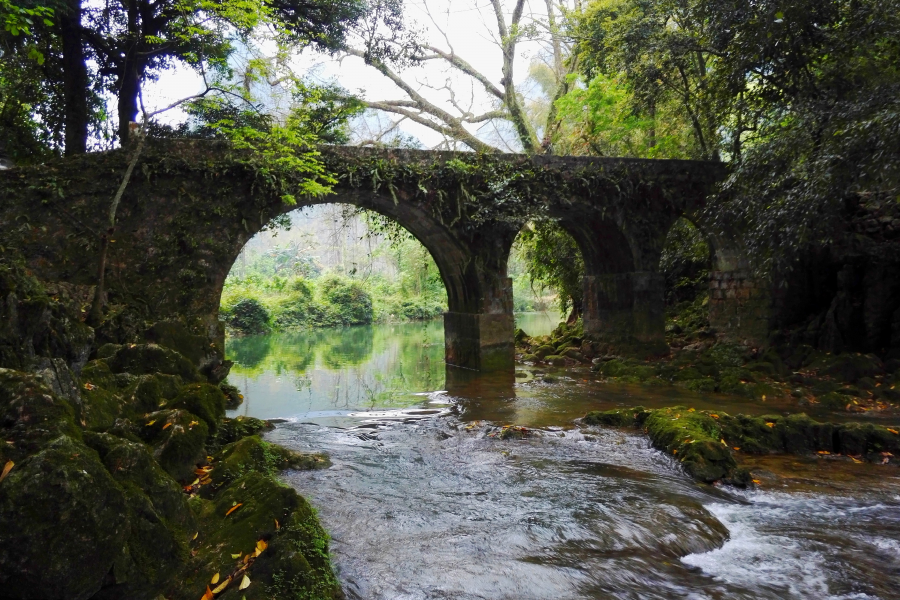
x=619 y=417
x=35 y=325
x=544 y=351
x=61 y=517
x=232 y=430
x=108 y=396
x=233 y=396
x=139 y=359
x=849 y=367
x=253 y=454
x=255 y=507
x=202 y=399
x=31 y=415
x=695 y=439
x=178 y=438
x=160 y=519
x=556 y=360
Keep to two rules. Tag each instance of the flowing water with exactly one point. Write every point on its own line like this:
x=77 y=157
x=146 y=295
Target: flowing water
x=425 y=500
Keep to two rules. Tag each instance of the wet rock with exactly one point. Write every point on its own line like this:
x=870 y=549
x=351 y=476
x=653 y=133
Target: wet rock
x=544 y=351
x=574 y=354
x=232 y=430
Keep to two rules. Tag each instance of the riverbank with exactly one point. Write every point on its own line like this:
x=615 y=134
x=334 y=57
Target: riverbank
x=122 y=477
x=256 y=305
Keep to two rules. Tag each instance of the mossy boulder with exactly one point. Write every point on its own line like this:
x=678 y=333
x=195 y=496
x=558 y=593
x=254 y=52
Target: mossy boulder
x=253 y=454
x=107 y=396
x=202 y=399
x=61 y=518
x=178 y=439
x=233 y=396
x=232 y=430
x=295 y=563
x=160 y=519
x=694 y=438
x=849 y=367
x=139 y=359
x=31 y=415
x=619 y=417
x=556 y=360
x=544 y=351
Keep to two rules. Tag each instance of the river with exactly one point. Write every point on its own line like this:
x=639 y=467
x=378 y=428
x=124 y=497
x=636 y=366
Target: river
x=424 y=500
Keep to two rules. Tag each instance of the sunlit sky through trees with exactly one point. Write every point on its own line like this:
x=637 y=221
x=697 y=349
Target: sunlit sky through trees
x=471 y=32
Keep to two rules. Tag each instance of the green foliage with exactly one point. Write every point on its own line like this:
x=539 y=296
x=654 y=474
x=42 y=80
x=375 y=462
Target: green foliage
x=600 y=119
x=554 y=260
x=248 y=315
x=802 y=98
x=346 y=301
x=685 y=262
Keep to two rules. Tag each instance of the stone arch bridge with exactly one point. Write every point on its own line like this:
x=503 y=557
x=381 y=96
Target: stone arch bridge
x=192 y=205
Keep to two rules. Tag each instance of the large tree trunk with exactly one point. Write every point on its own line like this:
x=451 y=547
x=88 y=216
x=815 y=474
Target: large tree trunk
x=75 y=78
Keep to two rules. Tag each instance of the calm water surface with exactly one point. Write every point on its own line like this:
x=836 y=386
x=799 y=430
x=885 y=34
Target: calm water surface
x=425 y=501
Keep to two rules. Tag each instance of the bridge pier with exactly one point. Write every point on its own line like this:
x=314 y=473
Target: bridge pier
x=626 y=310
x=480 y=342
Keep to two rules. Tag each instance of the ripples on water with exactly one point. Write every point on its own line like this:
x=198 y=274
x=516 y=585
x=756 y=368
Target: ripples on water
x=432 y=509
x=423 y=504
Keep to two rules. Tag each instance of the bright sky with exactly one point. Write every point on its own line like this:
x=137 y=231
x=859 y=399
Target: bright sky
x=470 y=26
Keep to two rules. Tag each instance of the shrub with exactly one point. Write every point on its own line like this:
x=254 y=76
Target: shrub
x=346 y=301
x=248 y=315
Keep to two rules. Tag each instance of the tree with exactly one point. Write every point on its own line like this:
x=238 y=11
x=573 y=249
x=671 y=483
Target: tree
x=493 y=98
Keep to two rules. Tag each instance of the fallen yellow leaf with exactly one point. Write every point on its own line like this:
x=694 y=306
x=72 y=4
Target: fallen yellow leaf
x=208 y=595
x=691 y=410
x=277 y=526
x=723 y=442
x=824 y=452
x=166 y=426
x=736 y=448
x=245 y=583
x=195 y=535
x=714 y=415
x=194 y=423
x=757 y=481
x=6 y=469
x=894 y=431
x=215 y=579
x=855 y=460
x=770 y=424
x=261 y=545
x=222 y=586
x=238 y=555
x=234 y=508
x=151 y=422
x=196 y=481
x=675 y=451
